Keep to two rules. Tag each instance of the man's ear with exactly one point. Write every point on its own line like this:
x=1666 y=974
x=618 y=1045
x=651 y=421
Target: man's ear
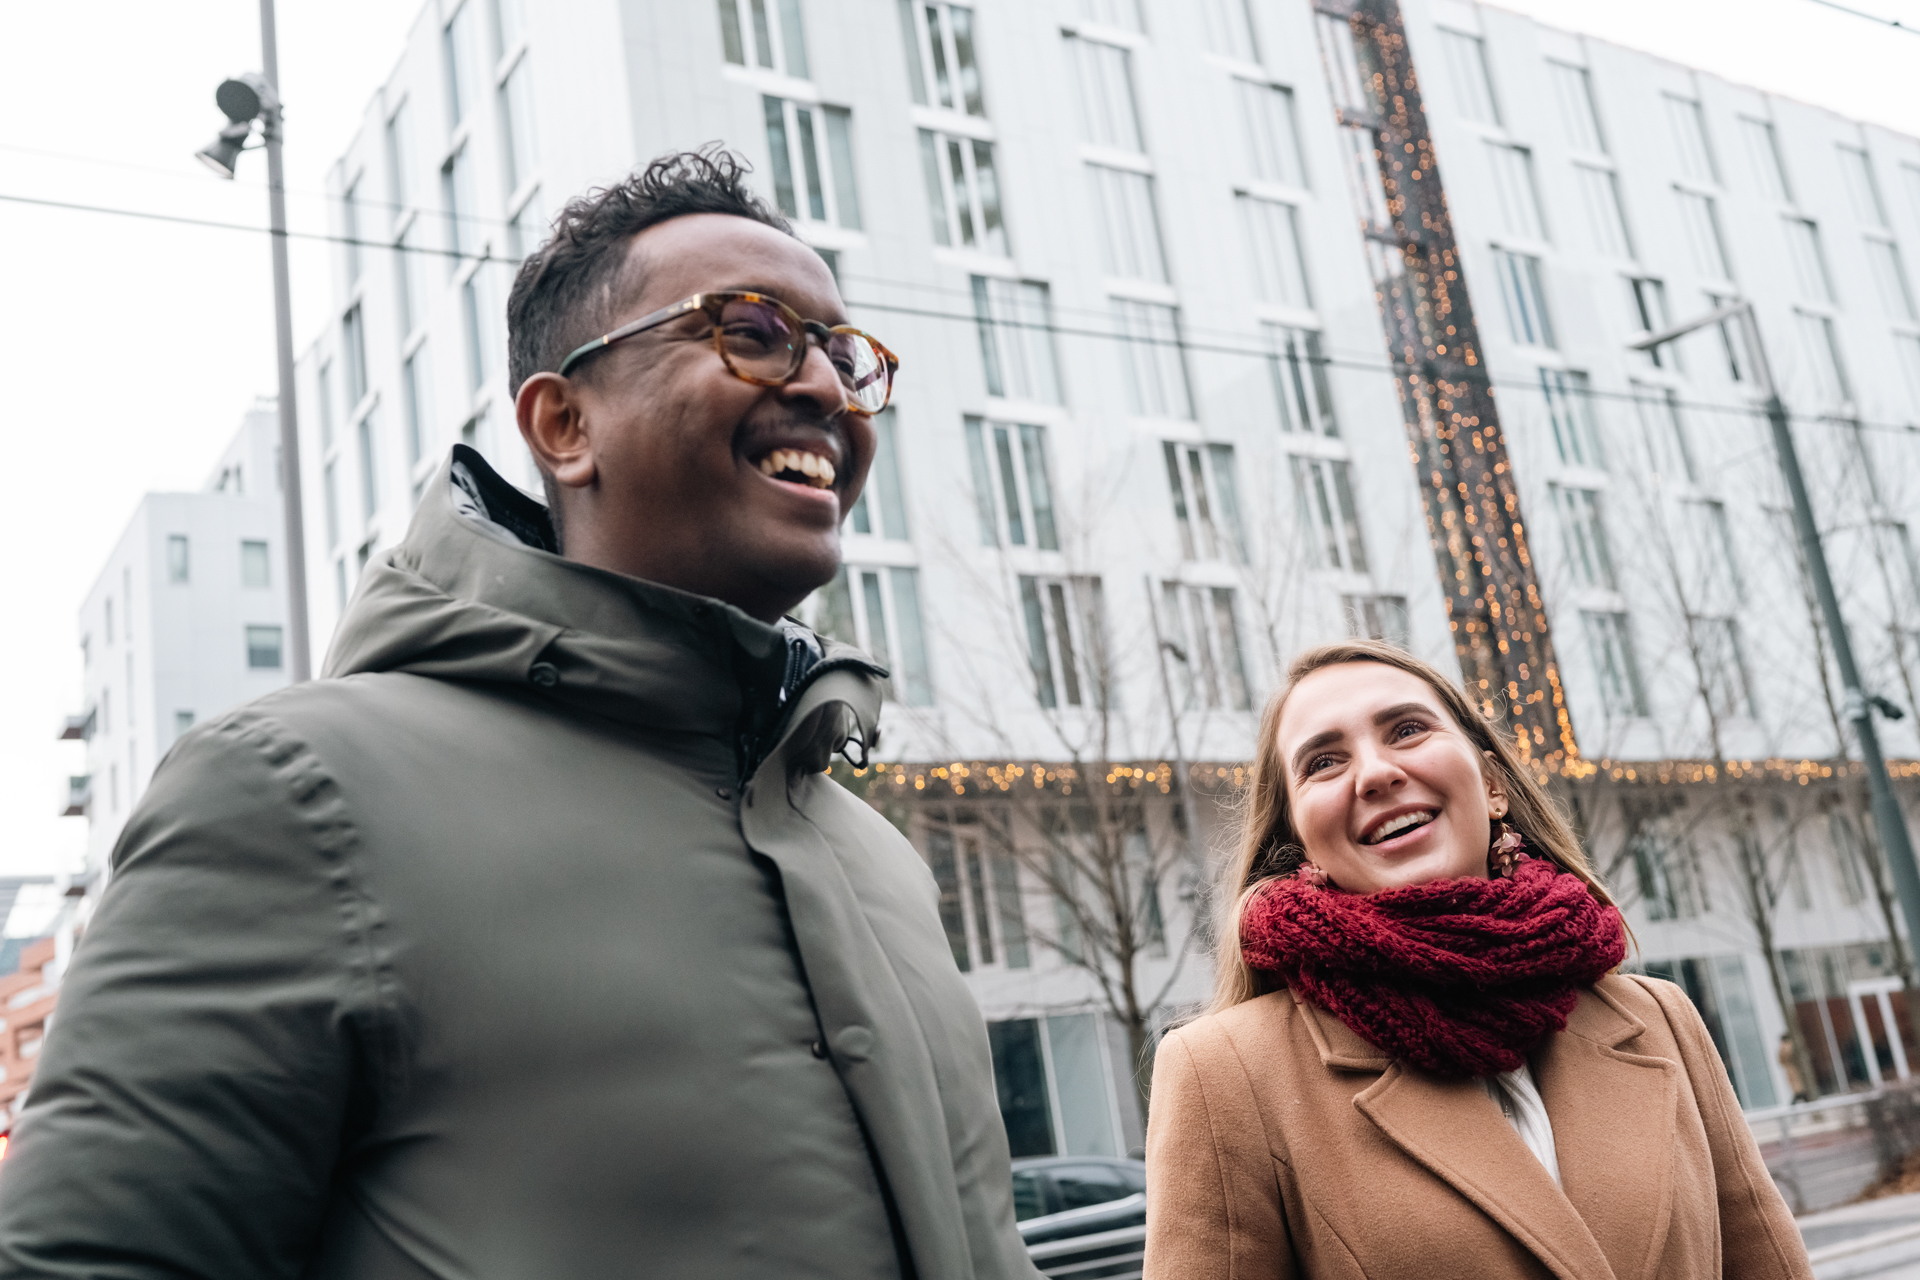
x=553 y=423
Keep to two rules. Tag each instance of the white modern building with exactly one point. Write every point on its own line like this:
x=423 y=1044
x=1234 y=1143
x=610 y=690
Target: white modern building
x=186 y=620
x=1149 y=439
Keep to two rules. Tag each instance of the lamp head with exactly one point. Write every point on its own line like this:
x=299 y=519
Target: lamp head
x=239 y=98
x=223 y=152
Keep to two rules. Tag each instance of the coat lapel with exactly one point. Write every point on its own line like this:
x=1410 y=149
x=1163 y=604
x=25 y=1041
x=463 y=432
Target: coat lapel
x=1456 y=1132
x=1612 y=1110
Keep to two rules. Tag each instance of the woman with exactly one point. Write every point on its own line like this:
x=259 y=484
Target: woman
x=1421 y=1060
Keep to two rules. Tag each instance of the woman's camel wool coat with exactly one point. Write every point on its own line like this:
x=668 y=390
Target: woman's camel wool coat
x=1281 y=1144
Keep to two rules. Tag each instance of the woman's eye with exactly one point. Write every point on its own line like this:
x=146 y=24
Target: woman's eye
x=1316 y=764
x=1407 y=728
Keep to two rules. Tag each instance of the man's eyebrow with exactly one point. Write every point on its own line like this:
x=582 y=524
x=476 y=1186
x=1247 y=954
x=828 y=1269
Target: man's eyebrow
x=775 y=293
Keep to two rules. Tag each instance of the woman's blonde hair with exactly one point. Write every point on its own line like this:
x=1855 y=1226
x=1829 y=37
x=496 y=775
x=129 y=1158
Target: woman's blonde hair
x=1270 y=848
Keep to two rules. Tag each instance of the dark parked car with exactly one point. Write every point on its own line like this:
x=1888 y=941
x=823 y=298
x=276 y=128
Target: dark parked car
x=1082 y=1216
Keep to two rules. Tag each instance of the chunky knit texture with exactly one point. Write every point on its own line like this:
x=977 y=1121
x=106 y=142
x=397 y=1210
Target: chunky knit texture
x=1461 y=977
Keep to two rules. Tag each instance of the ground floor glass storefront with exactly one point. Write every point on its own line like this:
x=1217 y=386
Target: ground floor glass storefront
x=1063 y=1086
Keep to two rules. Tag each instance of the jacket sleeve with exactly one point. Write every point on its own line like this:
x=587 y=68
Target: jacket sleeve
x=1758 y=1239
x=215 y=1034
x=1213 y=1194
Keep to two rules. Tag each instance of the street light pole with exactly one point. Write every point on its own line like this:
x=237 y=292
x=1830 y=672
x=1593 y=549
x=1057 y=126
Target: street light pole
x=1887 y=818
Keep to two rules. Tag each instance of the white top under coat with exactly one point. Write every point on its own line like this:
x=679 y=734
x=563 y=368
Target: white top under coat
x=1519 y=1101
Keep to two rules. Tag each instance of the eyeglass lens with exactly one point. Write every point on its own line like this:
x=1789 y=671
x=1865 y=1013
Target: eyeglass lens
x=759 y=340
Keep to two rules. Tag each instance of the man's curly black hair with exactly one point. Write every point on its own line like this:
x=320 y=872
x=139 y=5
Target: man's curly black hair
x=568 y=290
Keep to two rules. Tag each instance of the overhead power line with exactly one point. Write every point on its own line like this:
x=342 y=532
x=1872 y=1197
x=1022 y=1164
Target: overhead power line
x=1870 y=17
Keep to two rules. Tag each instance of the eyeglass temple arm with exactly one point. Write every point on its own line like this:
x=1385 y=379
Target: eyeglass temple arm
x=645 y=322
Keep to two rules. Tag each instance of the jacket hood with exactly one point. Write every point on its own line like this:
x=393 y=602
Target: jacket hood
x=477 y=591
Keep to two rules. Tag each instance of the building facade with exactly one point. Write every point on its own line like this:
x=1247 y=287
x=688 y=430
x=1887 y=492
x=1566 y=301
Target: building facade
x=186 y=620
x=1148 y=441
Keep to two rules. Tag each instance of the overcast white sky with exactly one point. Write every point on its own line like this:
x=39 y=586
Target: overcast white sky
x=130 y=348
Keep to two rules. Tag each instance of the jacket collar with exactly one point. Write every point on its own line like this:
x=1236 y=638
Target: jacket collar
x=477 y=592
x=1610 y=1108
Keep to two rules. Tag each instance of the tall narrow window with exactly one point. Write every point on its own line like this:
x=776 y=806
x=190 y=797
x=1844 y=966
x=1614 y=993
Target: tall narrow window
x=878 y=610
x=1890 y=275
x=1526 y=300
x=1062 y=623
x=400 y=174
x=1013 y=484
x=254 y=569
x=1906 y=347
x=1647 y=308
x=1610 y=646
x=1016 y=339
x=1826 y=372
x=457 y=191
x=471 y=305
x=1763 y=155
x=764 y=33
x=509 y=26
x=350 y=227
x=881 y=509
x=963 y=192
x=1585 y=537
x=1606 y=224
x=1513 y=186
x=516 y=112
x=1723 y=664
x=1229 y=28
x=1718 y=587
x=1362 y=167
x=1104 y=75
x=1154 y=358
x=1573 y=92
x=1113 y=13
x=1204 y=635
x=177 y=565
x=1666 y=431
x=1689 y=128
x=1273 y=237
x=1809 y=263
x=940 y=56
x=1569 y=401
x=323 y=384
x=1863 y=192
x=463 y=74
x=1466 y=63
x=369 y=470
x=1323 y=493
x=1129 y=226
x=812 y=151
x=416 y=386
x=1272 y=132
x=330 y=492
x=1702 y=225
x=353 y=341
x=1300 y=380
x=1206 y=501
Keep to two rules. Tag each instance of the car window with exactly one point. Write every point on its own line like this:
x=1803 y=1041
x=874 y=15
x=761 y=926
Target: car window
x=1029 y=1196
x=1081 y=1185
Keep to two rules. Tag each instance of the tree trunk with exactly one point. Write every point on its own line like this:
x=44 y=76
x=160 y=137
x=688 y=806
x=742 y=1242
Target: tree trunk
x=1760 y=911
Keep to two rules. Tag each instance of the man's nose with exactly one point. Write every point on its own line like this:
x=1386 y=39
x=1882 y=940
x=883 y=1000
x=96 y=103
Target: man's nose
x=818 y=381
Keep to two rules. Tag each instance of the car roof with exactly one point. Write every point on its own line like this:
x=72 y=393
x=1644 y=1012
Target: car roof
x=1049 y=1162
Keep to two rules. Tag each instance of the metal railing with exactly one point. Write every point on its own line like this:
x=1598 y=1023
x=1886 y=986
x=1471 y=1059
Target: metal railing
x=1826 y=1152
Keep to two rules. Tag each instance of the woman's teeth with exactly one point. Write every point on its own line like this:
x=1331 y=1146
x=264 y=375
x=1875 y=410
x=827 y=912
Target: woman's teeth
x=1394 y=826
x=797 y=466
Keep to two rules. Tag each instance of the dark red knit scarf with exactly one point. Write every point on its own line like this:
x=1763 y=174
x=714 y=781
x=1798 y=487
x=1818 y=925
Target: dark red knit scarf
x=1461 y=977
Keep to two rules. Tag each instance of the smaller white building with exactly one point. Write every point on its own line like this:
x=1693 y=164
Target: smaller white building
x=186 y=620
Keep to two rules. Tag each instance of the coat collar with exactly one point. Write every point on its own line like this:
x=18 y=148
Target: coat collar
x=1610 y=1109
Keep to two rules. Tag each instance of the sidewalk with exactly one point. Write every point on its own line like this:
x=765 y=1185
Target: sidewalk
x=1878 y=1239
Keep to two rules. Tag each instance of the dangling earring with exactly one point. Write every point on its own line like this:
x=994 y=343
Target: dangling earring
x=1310 y=874
x=1505 y=852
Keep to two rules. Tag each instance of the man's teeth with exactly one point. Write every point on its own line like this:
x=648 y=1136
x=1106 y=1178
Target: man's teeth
x=807 y=468
x=1405 y=822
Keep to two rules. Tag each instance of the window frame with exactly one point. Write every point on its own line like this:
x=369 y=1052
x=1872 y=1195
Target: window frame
x=966 y=213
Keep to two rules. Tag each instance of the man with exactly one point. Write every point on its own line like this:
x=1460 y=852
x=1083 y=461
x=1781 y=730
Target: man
x=534 y=942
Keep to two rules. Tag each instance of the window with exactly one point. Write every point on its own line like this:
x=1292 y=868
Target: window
x=1130 y=231
x=353 y=341
x=1600 y=194
x=881 y=509
x=324 y=384
x=369 y=474
x=263 y=648
x=340 y=584
x=1113 y=13
x=1230 y=29
x=1205 y=647
x=1378 y=618
x=400 y=158
x=1665 y=873
x=1525 y=299
x=1907 y=345
x=1610 y=644
x=1012 y=485
x=463 y=75
x=182 y=721
x=470 y=309
x=1717 y=587
x=1863 y=193
x=1703 y=234
x=1809 y=263
x=253 y=563
x=812 y=151
x=1272 y=132
x=1105 y=77
x=1690 y=138
x=1820 y=343
x=406 y=304
x=1573 y=90
x=940 y=58
x=1206 y=501
x=457 y=192
x=350 y=230
x=764 y=33
x=1466 y=63
x=177 y=557
x=1585 y=536
x=516 y=113
x=980 y=901
x=1659 y=409
x=1323 y=491
x=1849 y=856
x=1513 y=186
x=1363 y=178
x=1723 y=668
x=1647 y=306
x=1763 y=154
x=878 y=610
x=963 y=192
x=1279 y=266
x=509 y=25
x=331 y=492
x=1154 y=358
x=527 y=231
x=1062 y=617
x=1890 y=275
x=415 y=386
x=1576 y=434
x=1300 y=381
x=1016 y=339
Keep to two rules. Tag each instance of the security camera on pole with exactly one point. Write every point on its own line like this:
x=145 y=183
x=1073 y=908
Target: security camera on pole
x=245 y=100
